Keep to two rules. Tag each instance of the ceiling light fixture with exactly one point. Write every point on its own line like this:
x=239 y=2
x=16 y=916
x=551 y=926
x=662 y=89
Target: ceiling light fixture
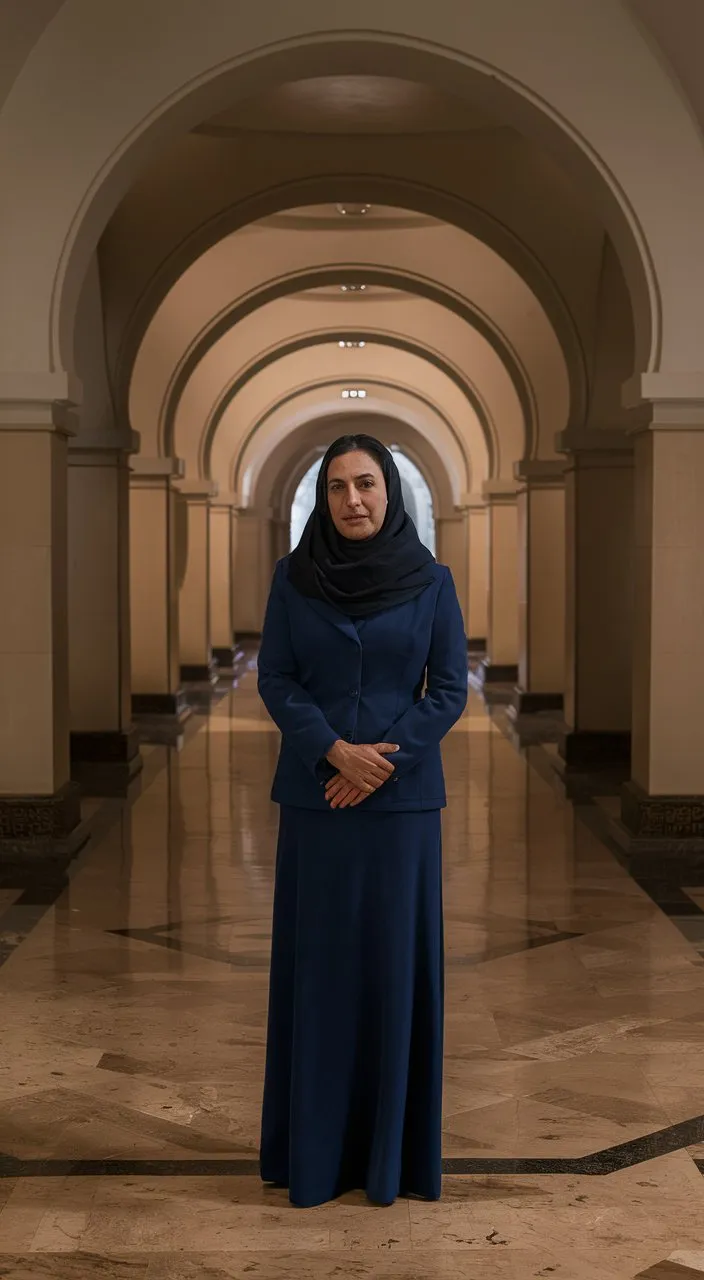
x=353 y=210
x=353 y=393
x=345 y=343
x=353 y=288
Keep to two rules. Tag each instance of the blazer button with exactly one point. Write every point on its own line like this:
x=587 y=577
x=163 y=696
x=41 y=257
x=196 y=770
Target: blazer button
x=348 y=736
x=354 y=693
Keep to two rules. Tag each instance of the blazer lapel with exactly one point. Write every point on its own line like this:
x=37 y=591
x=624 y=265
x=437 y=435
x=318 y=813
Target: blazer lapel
x=335 y=618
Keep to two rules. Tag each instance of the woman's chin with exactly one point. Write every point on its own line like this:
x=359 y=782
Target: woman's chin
x=358 y=532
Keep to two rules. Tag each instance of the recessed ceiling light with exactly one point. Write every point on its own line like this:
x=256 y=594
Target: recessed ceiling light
x=353 y=210
x=346 y=343
x=353 y=393
x=353 y=288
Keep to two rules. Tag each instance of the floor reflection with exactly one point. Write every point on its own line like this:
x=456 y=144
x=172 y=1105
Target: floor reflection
x=134 y=990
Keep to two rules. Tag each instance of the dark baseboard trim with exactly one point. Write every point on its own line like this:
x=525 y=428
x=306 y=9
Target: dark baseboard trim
x=171 y=705
x=526 y=703
x=241 y=636
x=106 y=764
x=200 y=672
x=499 y=673
x=590 y=749
x=662 y=819
x=476 y=644
x=107 y=747
x=44 y=826
x=225 y=655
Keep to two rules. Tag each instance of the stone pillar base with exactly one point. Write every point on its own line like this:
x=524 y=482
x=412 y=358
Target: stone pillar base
x=499 y=673
x=225 y=656
x=667 y=820
x=42 y=826
x=105 y=764
x=167 y=706
x=200 y=673
x=526 y=703
x=588 y=749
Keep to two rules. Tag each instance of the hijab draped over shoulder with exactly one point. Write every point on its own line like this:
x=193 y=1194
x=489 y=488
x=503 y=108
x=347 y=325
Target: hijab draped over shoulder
x=361 y=576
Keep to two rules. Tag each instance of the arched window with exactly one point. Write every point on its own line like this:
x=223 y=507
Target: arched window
x=417 y=499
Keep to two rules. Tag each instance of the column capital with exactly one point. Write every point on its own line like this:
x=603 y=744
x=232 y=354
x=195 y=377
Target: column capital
x=673 y=415
x=495 y=491
x=157 y=468
x=594 y=440
x=197 y=490
x=473 y=501
x=88 y=444
x=540 y=472
x=667 y=385
x=229 y=500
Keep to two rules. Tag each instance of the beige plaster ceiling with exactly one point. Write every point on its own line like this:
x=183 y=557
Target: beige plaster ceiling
x=350 y=104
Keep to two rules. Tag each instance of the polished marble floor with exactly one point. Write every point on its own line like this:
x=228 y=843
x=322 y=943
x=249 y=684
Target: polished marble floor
x=133 y=999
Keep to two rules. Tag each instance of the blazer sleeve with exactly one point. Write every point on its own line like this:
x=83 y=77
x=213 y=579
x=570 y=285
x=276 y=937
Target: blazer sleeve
x=290 y=706
x=425 y=724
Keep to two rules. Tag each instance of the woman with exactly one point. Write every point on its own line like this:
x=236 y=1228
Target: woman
x=359 y=618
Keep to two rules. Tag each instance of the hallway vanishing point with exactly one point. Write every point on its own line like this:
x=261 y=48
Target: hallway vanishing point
x=137 y=989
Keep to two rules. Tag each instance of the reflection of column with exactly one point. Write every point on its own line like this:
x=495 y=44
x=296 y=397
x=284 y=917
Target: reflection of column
x=502 y=641
x=664 y=803
x=154 y=576
x=599 y=591
x=196 y=654
x=541 y=608
x=39 y=805
x=221 y=574
x=477 y=629
x=453 y=550
x=104 y=744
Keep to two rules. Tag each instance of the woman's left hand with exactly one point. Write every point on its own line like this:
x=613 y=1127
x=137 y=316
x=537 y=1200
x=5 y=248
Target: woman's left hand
x=342 y=794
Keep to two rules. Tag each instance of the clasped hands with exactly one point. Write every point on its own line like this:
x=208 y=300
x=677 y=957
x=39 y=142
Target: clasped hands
x=361 y=770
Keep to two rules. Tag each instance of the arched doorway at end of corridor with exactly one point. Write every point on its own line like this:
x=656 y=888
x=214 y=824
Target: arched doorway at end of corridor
x=417 y=498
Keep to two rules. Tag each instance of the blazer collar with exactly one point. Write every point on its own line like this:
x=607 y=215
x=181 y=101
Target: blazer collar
x=337 y=619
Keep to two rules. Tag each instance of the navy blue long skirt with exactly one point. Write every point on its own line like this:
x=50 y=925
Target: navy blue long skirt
x=353 y=1083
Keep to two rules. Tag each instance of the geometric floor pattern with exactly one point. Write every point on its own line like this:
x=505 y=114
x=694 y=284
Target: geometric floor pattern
x=133 y=992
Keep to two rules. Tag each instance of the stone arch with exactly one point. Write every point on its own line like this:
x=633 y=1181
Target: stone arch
x=500 y=63
x=425 y=288
x=471 y=393
x=279 y=477
x=417 y=197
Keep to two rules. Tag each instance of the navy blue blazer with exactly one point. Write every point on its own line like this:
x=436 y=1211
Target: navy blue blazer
x=397 y=676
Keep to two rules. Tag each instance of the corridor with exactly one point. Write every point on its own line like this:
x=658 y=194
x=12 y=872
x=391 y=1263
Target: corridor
x=130 y=1096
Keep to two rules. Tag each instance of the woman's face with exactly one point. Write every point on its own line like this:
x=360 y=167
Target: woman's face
x=356 y=495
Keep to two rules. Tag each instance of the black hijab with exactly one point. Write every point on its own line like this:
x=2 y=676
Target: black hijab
x=361 y=576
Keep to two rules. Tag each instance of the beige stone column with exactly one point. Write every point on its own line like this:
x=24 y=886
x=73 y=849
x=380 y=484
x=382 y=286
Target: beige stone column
x=196 y=653
x=501 y=663
x=39 y=805
x=541 y=599
x=452 y=547
x=154 y=588
x=104 y=743
x=599 y=596
x=254 y=565
x=282 y=538
x=664 y=803
x=221 y=579
x=478 y=535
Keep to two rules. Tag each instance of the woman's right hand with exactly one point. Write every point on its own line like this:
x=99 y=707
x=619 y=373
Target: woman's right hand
x=365 y=767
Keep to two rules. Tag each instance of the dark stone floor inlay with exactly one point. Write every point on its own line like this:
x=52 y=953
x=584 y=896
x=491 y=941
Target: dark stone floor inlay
x=677 y=1137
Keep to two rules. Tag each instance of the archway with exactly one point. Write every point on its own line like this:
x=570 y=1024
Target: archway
x=417 y=498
